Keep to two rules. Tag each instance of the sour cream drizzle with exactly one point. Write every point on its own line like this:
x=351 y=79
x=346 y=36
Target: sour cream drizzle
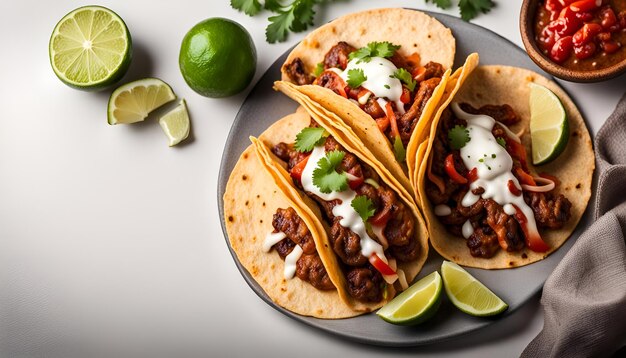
x=349 y=217
x=467 y=230
x=493 y=164
x=442 y=210
x=380 y=79
x=290 y=262
x=272 y=239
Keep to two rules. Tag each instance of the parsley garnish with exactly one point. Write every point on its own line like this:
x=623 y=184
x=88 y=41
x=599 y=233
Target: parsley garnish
x=309 y=137
x=501 y=141
x=296 y=16
x=363 y=206
x=356 y=77
x=406 y=78
x=374 y=49
x=326 y=177
x=398 y=150
x=318 y=69
x=458 y=137
x=469 y=8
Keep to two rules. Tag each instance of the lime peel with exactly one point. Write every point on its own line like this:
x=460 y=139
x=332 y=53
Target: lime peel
x=416 y=304
x=549 y=127
x=133 y=101
x=175 y=124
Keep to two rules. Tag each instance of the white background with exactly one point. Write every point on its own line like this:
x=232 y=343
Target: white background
x=110 y=241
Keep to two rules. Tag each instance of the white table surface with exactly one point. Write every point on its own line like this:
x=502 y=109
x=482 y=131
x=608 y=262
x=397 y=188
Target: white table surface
x=110 y=241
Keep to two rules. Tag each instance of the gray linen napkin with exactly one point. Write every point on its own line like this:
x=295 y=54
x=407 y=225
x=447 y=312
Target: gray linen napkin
x=584 y=299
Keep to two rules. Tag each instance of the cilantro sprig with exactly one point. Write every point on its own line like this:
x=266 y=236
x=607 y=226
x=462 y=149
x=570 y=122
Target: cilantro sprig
x=356 y=77
x=458 y=137
x=406 y=78
x=294 y=16
x=326 y=177
x=374 y=49
x=469 y=8
x=309 y=137
x=363 y=206
x=501 y=141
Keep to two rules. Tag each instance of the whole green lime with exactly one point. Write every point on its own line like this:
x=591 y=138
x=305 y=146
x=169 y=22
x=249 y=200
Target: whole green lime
x=217 y=58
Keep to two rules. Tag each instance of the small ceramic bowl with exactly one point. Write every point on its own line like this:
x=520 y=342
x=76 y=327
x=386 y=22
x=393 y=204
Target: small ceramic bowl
x=527 y=30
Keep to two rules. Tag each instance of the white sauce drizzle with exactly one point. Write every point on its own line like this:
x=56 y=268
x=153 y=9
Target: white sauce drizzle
x=349 y=217
x=290 y=261
x=442 y=210
x=272 y=239
x=494 y=171
x=467 y=229
x=380 y=80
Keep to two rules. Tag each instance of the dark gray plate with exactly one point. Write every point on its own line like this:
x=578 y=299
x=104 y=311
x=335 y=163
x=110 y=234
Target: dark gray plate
x=264 y=106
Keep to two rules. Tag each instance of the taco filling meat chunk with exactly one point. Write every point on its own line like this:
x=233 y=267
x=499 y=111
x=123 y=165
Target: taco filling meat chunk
x=294 y=243
x=391 y=88
x=480 y=186
x=371 y=229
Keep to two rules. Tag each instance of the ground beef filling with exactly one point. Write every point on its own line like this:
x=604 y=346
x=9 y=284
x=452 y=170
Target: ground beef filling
x=427 y=78
x=365 y=283
x=493 y=228
x=309 y=266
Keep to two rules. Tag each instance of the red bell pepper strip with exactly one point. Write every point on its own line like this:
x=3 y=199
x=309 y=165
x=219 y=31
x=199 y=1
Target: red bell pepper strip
x=296 y=171
x=381 y=266
x=451 y=170
x=533 y=239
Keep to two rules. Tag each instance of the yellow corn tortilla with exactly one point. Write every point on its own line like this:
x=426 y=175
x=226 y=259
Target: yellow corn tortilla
x=285 y=130
x=413 y=30
x=250 y=200
x=574 y=167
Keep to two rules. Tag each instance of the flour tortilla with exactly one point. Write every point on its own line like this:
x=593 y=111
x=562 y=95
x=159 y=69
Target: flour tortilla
x=285 y=130
x=574 y=167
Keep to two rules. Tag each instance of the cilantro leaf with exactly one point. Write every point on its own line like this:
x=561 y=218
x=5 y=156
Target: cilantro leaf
x=374 y=49
x=309 y=137
x=471 y=8
x=442 y=4
x=501 y=141
x=356 y=77
x=273 y=5
x=326 y=177
x=398 y=150
x=303 y=15
x=296 y=17
x=249 y=7
x=458 y=137
x=318 y=69
x=406 y=78
x=363 y=206
x=278 y=27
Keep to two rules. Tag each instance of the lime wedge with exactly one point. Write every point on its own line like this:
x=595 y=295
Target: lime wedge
x=175 y=123
x=90 y=48
x=416 y=304
x=549 y=129
x=468 y=294
x=133 y=101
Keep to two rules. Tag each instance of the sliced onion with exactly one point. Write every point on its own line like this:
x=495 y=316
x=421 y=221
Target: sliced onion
x=390 y=279
x=511 y=134
x=548 y=185
x=402 y=280
x=520 y=133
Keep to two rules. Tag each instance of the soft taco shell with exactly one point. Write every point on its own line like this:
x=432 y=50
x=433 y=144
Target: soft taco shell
x=574 y=167
x=413 y=30
x=286 y=129
x=250 y=200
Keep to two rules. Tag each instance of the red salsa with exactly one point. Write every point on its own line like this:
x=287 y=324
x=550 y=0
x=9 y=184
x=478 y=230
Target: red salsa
x=582 y=34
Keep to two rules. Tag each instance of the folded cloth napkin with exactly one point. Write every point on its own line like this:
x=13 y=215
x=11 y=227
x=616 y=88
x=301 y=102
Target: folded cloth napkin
x=584 y=299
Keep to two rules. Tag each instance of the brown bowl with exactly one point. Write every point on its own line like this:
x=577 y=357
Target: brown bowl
x=527 y=30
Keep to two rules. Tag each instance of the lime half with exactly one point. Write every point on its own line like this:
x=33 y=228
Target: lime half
x=175 y=124
x=90 y=48
x=549 y=129
x=468 y=294
x=133 y=101
x=416 y=304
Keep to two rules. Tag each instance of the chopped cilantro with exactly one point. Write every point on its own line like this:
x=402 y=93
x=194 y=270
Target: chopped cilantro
x=471 y=8
x=481 y=160
x=398 y=150
x=493 y=156
x=501 y=141
x=318 y=69
x=458 y=137
x=442 y=4
x=326 y=177
x=387 y=87
x=406 y=78
x=356 y=77
x=363 y=206
x=309 y=137
x=374 y=49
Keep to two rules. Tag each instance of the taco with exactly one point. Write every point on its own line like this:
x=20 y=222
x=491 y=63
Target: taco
x=280 y=244
x=374 y=230
x=486 y=205
x=380 y=71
